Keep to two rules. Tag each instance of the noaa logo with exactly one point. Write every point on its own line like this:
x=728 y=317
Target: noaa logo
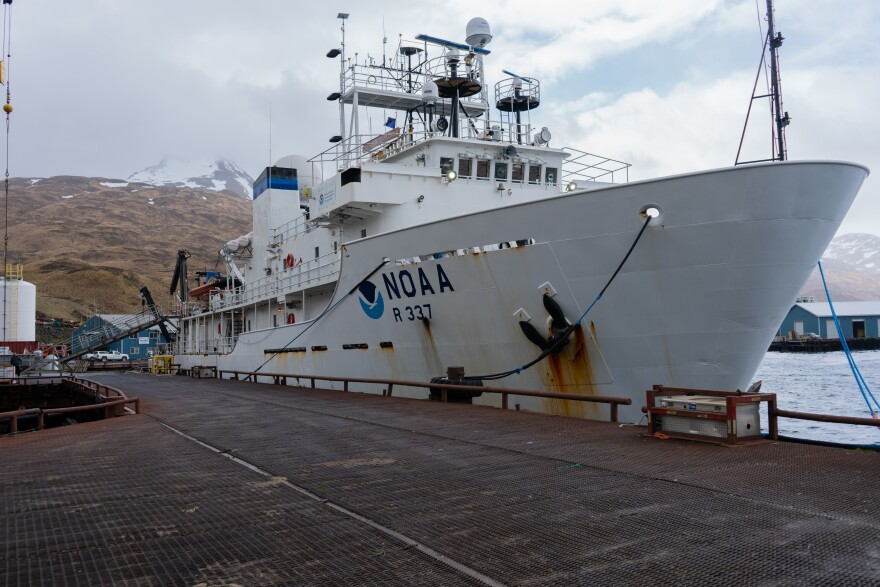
x=321 y=200
x=371 y=300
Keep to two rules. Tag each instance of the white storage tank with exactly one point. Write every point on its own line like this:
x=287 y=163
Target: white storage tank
x=20 y=298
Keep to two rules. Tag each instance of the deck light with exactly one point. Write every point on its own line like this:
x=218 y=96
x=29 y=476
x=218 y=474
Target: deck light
x=571 y=186
x=451 y=175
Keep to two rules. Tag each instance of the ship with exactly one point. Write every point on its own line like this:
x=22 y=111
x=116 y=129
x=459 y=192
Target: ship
x=462 y=237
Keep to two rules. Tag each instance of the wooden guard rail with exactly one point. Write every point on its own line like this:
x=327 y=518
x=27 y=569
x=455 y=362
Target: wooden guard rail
x=107 y=398
x=281 y=379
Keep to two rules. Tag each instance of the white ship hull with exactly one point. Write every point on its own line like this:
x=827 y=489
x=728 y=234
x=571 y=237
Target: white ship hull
x=696 y=305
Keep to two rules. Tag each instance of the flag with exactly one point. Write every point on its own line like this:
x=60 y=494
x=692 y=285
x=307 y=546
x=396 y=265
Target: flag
x=391 y=122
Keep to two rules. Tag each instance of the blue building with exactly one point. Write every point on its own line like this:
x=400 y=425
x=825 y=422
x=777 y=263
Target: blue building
x=857 y=319
x=139 y=345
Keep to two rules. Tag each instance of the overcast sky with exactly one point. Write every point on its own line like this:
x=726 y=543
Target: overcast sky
x=108 y=87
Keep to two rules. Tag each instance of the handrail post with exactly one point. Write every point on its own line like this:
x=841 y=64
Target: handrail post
x=443 y=394
x=345 y=385
x=40 y=420
x=313 y=383
x=772 y=419
x=390 y=385
x=614 y=412
x=13 y=424
x=504 y=401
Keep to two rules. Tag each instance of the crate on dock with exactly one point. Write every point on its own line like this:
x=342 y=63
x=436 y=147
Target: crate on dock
x=723 y=417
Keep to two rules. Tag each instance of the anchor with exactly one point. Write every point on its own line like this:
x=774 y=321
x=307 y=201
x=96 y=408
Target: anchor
x=559 y=328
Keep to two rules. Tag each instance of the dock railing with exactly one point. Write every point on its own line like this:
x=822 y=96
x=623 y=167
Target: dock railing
x=107 y=398
x=445 y=388
x=735 y=397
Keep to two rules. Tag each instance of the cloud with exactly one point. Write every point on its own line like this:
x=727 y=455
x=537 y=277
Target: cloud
x=111 y=86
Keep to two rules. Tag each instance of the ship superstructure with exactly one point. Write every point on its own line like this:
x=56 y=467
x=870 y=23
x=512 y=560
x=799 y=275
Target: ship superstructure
x=398 y=254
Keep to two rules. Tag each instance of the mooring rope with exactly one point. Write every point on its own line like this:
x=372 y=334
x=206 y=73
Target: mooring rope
x=860 y=381
x=324 y=313
x=564 y=337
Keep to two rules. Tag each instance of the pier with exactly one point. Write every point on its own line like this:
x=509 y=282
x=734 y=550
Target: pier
x=221 y=482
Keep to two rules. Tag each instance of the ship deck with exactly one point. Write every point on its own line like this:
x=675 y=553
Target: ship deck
x=315 y=487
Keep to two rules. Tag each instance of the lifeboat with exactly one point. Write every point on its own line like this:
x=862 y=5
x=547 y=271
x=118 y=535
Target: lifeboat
x=203 y=291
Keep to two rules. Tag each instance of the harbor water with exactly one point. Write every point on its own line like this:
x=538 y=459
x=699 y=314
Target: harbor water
x=821 y=383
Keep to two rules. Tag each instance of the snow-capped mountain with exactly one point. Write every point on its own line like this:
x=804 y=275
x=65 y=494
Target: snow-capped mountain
x=852 y=267
x=207 y=175
x=858 y=250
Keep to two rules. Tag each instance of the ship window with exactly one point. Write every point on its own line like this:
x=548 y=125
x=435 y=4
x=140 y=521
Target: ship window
x=363 y=233
x=335 y=246
x=274 y=320
x=482 y=170
x=446 y=165
x=551 y=176
x=501 y=171
x=317 y=252
x=534 y=174
x=465 y=167
x=249 y=324
x=518 y=172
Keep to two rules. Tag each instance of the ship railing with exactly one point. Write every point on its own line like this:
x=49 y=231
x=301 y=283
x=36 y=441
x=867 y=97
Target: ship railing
x=291 y=229
x=323 y=269
x=215 y=345
x=400 y=80
x=365 y=148
x=583 y=166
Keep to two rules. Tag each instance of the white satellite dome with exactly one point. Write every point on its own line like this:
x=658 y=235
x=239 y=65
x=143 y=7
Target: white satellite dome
x=308 y=175
x=478 y=33
x=430 y=92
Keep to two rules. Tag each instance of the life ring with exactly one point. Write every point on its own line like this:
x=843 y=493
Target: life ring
x=291 y=319
x=289 y=261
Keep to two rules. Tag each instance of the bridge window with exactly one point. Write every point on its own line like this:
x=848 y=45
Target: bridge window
x=482 y=169
x=535 y=174
x=518 y=172
x=465 y=167
x=446 y=165
x=501 y=171
x=551 y=176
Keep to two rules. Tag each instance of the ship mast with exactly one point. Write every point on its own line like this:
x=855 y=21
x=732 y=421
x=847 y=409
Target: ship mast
x=773 y=41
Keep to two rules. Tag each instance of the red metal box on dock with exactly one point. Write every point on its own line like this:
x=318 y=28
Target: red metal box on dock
x=714 y=416
x=746 y=423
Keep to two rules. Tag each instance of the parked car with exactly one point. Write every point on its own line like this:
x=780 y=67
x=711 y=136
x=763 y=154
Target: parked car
x=106 y=356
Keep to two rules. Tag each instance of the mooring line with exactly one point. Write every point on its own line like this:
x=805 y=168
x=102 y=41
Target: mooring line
x=410 y=542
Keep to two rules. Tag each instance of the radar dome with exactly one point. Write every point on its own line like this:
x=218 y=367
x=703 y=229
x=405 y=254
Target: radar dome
x=307 y=174
x=478 y=33
x=430 y=92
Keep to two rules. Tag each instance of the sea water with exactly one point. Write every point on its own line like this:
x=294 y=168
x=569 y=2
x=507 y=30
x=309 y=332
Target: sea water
x=821 y=383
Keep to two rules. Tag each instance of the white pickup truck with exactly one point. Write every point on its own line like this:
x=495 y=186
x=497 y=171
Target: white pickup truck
x=105 y=356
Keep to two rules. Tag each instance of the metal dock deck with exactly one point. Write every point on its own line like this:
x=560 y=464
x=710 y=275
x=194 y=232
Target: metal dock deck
x=313 y=487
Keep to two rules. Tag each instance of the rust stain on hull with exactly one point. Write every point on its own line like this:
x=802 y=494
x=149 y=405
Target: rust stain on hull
x=569 y=372
x=432 y=357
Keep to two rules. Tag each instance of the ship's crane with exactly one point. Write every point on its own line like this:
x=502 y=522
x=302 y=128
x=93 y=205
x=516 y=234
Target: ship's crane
x=180 y=277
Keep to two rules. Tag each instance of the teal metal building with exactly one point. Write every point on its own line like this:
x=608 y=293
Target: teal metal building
x=857 y=319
